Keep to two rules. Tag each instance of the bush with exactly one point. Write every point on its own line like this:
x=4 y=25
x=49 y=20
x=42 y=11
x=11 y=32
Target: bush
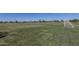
x=3 y=34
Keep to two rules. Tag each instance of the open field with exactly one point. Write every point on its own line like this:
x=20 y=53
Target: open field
x=39 y=34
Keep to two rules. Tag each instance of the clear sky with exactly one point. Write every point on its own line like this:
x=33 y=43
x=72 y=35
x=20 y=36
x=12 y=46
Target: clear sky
x=37 y=16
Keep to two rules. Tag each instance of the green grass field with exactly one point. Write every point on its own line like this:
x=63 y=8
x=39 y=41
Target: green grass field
x=39 y=34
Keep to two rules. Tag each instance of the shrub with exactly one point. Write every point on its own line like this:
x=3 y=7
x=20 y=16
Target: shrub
x=3 y=34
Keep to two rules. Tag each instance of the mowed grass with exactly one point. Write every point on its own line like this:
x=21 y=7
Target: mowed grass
x=39 y=34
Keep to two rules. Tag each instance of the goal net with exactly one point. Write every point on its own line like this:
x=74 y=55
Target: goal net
x=68 y=24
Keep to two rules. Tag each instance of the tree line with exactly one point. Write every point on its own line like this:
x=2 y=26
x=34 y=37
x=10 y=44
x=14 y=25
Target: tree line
x=40 y=21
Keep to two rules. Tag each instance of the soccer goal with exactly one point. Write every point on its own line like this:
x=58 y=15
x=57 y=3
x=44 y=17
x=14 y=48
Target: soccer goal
x=68 y=24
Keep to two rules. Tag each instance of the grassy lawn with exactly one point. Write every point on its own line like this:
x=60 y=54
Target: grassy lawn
x=39 y=34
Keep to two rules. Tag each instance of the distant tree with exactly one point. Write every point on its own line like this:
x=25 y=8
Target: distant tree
x=11 y=22
x=34 y=21
x=16 y=21
x=24 y=21
x=43 y=20
x=5 y=21
x=74 y=20
x=62 y=20
x=40 y=20
x=56 y=20
x=1 y=21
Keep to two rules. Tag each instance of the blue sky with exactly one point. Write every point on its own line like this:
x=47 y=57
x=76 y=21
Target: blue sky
x=37 y=16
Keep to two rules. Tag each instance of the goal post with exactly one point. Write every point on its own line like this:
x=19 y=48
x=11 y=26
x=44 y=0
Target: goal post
x=68 y=24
